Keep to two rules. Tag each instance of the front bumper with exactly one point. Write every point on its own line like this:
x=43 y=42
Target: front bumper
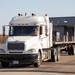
x=22 y=58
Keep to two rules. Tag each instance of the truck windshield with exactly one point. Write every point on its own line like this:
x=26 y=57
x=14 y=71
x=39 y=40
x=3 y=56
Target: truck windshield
x=23 y=31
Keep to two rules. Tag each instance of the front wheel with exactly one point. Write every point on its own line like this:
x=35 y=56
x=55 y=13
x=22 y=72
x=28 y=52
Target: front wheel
x=38 y=62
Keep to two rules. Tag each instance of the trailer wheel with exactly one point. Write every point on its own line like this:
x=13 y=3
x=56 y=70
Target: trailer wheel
x=54 y=55
x=69 y=51
x=73 y=50
x=5 y=64
x=39 y=60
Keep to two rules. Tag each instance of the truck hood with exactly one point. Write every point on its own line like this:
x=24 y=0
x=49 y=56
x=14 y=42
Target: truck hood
x=20 y=38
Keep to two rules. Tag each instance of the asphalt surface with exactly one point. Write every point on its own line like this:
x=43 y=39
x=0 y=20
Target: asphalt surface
x=66 y=66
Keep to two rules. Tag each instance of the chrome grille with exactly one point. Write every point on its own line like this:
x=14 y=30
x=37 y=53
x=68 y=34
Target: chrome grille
x=15 y=46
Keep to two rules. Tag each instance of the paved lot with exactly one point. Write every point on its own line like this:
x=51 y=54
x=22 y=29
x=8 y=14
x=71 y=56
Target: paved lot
x=66 y=66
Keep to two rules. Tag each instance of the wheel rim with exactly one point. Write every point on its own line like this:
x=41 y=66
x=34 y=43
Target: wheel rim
x=39 y=59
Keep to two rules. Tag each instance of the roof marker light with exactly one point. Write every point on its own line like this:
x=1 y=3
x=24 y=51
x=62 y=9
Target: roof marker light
x=22 y=24
x=34 y=24
x=18 y=24
x=46 y=14
x=26 y=24
x=19 y=14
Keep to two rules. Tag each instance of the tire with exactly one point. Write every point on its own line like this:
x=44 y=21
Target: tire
x=38 y=62
x=69 y=51
x=5 y=64
x=58 y=54
x=54 y=55
x=73 y=50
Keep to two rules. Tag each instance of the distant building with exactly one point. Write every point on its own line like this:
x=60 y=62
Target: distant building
x=63 y=28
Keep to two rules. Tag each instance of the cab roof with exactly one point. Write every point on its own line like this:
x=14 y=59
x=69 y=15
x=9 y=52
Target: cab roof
x=28 y=20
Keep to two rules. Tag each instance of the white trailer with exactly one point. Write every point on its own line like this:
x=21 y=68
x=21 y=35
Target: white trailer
x=30 y=40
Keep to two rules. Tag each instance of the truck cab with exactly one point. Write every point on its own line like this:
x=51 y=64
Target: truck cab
x=28 y=40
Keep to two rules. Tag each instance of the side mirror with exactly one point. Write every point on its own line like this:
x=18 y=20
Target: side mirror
x=40 y=30
x=3 y=31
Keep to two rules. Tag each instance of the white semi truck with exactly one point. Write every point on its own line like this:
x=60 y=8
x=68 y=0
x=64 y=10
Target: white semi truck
x=30 y=41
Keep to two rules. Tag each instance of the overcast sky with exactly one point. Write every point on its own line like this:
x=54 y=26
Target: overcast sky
x=54 y=8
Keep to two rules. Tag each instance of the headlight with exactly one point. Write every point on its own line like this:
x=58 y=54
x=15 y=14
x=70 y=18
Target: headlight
x=2 y=51
x=31 y=51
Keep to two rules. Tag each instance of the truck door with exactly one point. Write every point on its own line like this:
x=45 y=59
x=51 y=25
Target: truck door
x=43 y=37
